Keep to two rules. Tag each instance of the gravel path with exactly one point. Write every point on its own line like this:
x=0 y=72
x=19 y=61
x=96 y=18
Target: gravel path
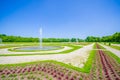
x=115 y=51
x=116 y=44
x=76 y=58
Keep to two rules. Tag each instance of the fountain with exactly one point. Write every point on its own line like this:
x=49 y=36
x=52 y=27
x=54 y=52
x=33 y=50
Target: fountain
x=40 y=38
x=40 y=47
x=76 y=40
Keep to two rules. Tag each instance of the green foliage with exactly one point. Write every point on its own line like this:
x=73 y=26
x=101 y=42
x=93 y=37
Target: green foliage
x=113 y=38
x=15 y=50
x=113 y=55
x=116 y=47
x=2 y=76
x=70 y=50
x=113 y=46
x=73 y=40
x=55 y=40
x=88 y=64
x=12 y=75
x=86 y=68
x=73 y=47
x=92 y=39
x=6 y=38
x=101 y=47
x=109 y=44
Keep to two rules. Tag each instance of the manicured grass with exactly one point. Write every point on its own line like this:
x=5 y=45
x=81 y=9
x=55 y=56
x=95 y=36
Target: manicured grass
x=19 y=44
x=85 y=69
x=7 y=46
x=74 y=47
x=15 y=50
x=101 y=47
x=113 y=56
x=88 y=64
x=115 y=47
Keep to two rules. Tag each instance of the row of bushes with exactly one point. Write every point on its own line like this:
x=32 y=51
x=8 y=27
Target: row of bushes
x=112 y=38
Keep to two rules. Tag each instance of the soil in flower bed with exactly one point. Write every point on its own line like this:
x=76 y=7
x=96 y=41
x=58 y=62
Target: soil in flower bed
x=44 y=71
x=104 y=67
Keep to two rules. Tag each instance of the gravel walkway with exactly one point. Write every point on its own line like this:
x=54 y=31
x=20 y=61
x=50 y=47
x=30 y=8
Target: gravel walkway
x=76 y=58
x=116 y=44
x=115 y=51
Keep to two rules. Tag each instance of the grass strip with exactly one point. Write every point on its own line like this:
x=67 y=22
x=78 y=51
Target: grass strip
x=74 y=47
x=116 y=58
x=88 y=64
x=115 y=47
x=15 y=50
x=85 y=69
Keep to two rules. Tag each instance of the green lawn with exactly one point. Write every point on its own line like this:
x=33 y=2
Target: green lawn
x=73 y=47
x=111 y=54
x=85 y=69
x=115 y=47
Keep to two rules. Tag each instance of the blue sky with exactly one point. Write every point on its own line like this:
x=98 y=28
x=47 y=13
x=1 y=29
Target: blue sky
x=60 y=18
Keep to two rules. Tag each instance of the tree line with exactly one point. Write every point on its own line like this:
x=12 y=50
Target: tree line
x=112 y=38
x=6 y=38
